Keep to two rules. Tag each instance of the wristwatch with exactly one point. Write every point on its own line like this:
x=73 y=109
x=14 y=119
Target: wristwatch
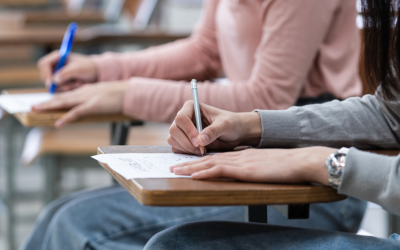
x=335 y=164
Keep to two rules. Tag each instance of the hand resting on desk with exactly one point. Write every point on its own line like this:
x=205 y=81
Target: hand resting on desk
x=101 y=98
x=80 y=69
x=262 y=165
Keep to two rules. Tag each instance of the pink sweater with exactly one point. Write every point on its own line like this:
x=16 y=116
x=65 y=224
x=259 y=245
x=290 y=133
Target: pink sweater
x=272 y=52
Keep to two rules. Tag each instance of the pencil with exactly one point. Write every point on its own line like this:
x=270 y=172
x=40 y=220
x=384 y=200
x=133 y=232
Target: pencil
x=197 y=110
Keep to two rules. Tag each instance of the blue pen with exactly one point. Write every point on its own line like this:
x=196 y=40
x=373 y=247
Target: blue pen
x=65 y=49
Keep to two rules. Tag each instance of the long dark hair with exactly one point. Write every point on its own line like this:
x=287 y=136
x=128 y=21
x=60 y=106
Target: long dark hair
x=382 y=45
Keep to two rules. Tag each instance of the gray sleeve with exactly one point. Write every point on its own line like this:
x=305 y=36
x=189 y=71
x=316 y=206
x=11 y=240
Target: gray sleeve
x=367 y=122
x=360 y=122
x=374 y=178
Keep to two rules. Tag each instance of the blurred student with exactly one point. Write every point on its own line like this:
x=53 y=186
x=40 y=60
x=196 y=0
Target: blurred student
x=368 y=122
x=274 y=53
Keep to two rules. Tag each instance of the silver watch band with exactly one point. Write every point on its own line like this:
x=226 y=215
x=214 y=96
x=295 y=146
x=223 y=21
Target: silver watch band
x=335 y=164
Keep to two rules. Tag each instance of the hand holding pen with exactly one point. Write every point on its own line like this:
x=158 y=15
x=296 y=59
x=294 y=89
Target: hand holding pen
x=65 y=49
x=223 y=130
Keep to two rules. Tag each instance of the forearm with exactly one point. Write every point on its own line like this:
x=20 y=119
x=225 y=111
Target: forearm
x=193 y=57
x=180 y=60
x=358 y=122
x=162 y=99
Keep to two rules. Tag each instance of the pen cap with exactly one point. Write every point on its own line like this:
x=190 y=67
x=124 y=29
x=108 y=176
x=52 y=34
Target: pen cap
x=193 y=84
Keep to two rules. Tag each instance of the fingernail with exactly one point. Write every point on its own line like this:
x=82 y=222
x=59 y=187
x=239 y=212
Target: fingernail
x=197 y=151
x=204 y=139
x=195 y=142
x=195 y=175
x=178 y=170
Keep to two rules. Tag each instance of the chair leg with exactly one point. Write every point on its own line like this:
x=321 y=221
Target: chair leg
x=394 y=224
x=53 y=177
x=9 y=156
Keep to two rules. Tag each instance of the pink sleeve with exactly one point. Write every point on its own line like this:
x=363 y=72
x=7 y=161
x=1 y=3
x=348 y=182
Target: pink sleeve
x=193 y=57
x=292 y=33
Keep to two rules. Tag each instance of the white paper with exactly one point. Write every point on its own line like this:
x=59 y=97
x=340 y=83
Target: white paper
x=22 y=102
x=137 y=165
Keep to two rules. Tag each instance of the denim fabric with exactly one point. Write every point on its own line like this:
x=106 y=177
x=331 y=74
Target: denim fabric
x=110 y=218
x=395 y=237
x=235 y=235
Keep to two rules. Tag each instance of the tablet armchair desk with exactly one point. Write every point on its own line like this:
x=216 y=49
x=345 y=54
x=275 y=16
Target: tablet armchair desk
x=291 y=200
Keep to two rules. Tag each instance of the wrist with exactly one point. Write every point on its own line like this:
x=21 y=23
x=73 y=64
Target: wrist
x=250 y=125
x=316 y=170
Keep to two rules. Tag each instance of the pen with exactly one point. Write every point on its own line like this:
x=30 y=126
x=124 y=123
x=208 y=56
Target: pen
x=65 y=49
x=197 y=110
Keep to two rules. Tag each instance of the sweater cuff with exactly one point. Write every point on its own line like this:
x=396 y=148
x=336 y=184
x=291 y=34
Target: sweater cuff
x=107 y=67
x=364 y=172
x=279 y=128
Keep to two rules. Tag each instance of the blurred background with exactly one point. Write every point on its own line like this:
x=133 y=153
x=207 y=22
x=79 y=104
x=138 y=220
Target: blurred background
x=40 y=164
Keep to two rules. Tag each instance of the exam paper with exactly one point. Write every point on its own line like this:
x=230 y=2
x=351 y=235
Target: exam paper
x=138 y=165
x=22 y=102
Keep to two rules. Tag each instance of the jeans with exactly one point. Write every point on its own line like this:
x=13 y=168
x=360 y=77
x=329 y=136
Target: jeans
x=110 y=218
x=236 y=235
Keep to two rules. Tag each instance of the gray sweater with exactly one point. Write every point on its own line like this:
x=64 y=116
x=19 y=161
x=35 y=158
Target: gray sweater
x=364 y=123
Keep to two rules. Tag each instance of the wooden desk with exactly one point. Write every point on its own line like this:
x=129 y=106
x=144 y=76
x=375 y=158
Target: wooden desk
x=188 y=192
x=57 y=17
x=54 y=36
x=19 y=76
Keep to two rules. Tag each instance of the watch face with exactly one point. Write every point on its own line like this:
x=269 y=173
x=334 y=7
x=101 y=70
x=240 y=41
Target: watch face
x=337 y=164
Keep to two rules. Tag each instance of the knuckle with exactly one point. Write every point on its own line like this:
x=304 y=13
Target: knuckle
x=170 y=140
x=189 y=102
x=225 y=122
x=208 y=158
x=214 y=130
x=173 y=130
x=189 y=169
x=219 y=169
x=180 y=119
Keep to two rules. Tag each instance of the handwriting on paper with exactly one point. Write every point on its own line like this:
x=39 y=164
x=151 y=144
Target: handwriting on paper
x=138 y=165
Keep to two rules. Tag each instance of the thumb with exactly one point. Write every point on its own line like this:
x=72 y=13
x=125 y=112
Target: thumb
x=210 y=134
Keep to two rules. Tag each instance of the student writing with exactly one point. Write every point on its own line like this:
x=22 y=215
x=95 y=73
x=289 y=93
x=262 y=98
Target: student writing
x=272 y=52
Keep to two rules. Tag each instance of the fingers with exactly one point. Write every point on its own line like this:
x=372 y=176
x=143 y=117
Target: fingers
x=211 y=133
x=184 y=120
x=46 y=66
x=204 y=163
x=69 y=86
x=185 y=124
x=218 y=171
x=69 y=73
x=181 y=165
x=74 y=114
x=183 y=132
x=61 y=101
x=177 y=151
x=175 y=144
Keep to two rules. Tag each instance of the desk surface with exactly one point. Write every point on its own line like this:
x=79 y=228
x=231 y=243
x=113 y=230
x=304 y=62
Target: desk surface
x=188 y=192
x=31 y=119
x=97 y=34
